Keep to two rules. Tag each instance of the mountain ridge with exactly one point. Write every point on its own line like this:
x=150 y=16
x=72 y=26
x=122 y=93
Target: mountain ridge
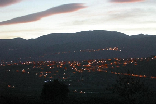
x=136 y=46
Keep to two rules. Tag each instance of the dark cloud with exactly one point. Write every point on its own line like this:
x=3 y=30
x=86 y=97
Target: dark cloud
x=125 y=1
x=52 y=11
x=4 y=3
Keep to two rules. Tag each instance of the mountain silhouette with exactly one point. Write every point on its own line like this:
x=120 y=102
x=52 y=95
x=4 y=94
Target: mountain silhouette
x=48 y=47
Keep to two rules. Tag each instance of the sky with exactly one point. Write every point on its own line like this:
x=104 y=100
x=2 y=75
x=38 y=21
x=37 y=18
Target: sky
x=30 y=19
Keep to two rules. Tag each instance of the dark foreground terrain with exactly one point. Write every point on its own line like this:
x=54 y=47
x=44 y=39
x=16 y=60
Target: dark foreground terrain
x=87 y=80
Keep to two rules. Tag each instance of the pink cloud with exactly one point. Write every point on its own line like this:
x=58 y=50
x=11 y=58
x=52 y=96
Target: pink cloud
x=125 y=1
x=4 y=3
x=66 y=8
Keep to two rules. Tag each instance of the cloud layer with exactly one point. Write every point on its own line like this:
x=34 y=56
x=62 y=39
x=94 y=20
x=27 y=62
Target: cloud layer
x=4 y=3
x=125 y=1
x=37 y=16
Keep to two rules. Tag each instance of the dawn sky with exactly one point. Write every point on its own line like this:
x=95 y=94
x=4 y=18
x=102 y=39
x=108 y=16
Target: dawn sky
x=33 y=18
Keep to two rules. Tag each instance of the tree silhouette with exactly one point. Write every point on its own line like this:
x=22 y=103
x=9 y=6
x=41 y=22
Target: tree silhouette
x=131 y=89
x=54 y=91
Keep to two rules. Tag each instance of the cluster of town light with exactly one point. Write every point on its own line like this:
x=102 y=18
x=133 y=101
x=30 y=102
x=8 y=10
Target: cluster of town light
x=100 y=65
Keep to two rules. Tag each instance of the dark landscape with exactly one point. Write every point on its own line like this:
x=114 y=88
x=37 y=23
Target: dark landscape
x=88 y=62
x=76 y=46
